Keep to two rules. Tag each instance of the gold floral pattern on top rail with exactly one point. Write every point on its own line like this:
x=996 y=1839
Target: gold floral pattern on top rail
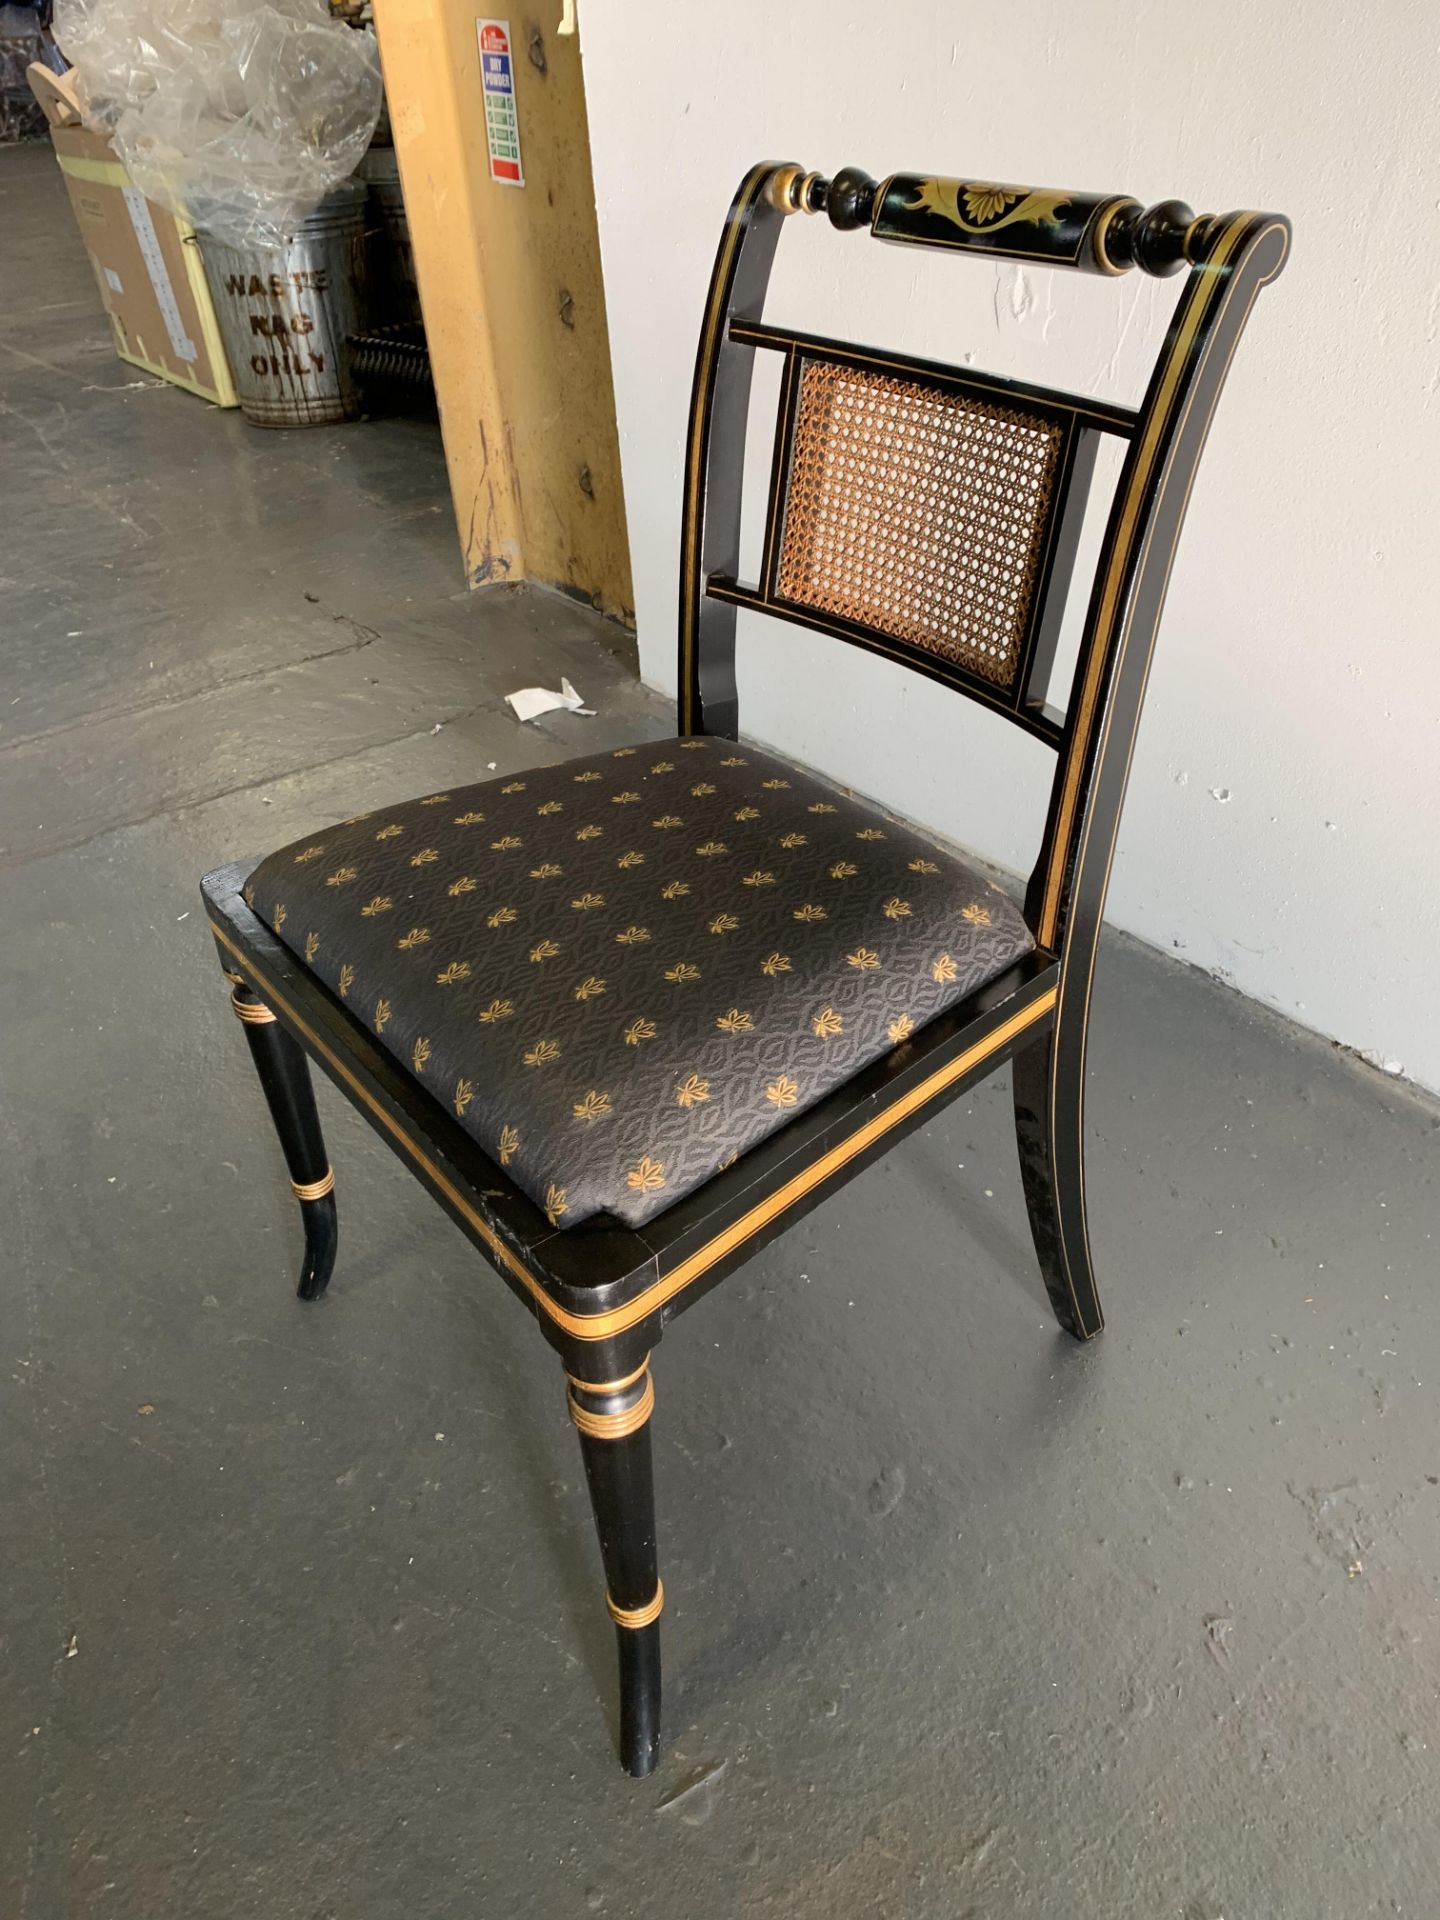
x=986 y=207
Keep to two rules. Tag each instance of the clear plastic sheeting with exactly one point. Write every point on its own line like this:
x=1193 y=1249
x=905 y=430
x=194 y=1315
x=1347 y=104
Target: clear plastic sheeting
x=239 y=114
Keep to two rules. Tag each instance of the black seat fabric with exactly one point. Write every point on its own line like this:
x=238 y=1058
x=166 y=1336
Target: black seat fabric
x=621 y=972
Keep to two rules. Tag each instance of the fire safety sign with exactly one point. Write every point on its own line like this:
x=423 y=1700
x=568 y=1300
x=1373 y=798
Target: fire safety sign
x=502 y=124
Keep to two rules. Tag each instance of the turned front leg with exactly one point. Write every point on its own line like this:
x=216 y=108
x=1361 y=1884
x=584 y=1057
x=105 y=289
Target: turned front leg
x=613 y=1423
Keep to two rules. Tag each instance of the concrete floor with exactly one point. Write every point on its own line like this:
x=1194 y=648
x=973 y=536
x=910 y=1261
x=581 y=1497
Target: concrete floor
x=302 y=1613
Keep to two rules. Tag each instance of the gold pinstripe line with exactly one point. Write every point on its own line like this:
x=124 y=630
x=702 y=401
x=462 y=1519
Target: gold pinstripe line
x=749 y=193
x=777 y=503
x=600 y=1326
x=1114 y=573
x=893 y=239
x=1100 y=224
x=1121 y=421
x=791 y=610
x=879 y=201
x=608 y=1386
x=1066 y=960
x=761 y=1214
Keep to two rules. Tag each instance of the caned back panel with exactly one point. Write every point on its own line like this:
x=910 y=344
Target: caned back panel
x=920 y=513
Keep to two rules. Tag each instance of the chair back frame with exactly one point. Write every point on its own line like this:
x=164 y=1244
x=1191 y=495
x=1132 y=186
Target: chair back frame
x=1227 y=259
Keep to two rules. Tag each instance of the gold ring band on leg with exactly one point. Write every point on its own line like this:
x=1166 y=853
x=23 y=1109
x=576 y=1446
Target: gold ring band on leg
x=608 y=1386
x=781 y=189
x=613 y=1426
x=315 y=1189
x=235 y=979
x=637 y=1617
x=253 y=1012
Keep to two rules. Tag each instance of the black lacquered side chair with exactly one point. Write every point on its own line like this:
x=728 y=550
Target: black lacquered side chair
x=629 y=1017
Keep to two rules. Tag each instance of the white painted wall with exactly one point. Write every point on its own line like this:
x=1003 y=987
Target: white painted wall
x=1298 y=668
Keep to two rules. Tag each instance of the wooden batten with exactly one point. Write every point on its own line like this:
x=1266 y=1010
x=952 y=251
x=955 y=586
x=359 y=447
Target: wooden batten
x=513 y=302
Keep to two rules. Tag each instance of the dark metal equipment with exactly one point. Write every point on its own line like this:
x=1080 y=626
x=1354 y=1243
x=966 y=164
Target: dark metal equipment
x=391 y=365
x=923 y=512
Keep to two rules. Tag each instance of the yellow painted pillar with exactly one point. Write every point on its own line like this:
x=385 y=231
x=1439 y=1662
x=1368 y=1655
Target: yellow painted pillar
x=513 y=300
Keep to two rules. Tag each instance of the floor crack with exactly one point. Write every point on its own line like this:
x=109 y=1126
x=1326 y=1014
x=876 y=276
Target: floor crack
x=11 y=858
x=366 y=636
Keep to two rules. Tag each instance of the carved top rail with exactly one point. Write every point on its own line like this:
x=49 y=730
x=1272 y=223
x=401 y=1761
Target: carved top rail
x=1092 y=232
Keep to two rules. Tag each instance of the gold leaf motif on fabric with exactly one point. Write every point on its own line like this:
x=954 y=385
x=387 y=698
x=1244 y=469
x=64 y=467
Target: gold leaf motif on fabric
x=692 y=1091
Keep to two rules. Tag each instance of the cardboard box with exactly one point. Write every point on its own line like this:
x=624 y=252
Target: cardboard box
x=147 y=265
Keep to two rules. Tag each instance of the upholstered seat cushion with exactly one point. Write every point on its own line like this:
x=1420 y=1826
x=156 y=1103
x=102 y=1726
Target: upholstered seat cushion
x=621 y=972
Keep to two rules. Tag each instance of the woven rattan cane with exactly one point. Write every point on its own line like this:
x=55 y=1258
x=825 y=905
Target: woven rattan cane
x=918 y=513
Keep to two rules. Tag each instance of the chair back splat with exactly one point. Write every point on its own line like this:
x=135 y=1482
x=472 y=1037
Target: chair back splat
x=932 y=514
